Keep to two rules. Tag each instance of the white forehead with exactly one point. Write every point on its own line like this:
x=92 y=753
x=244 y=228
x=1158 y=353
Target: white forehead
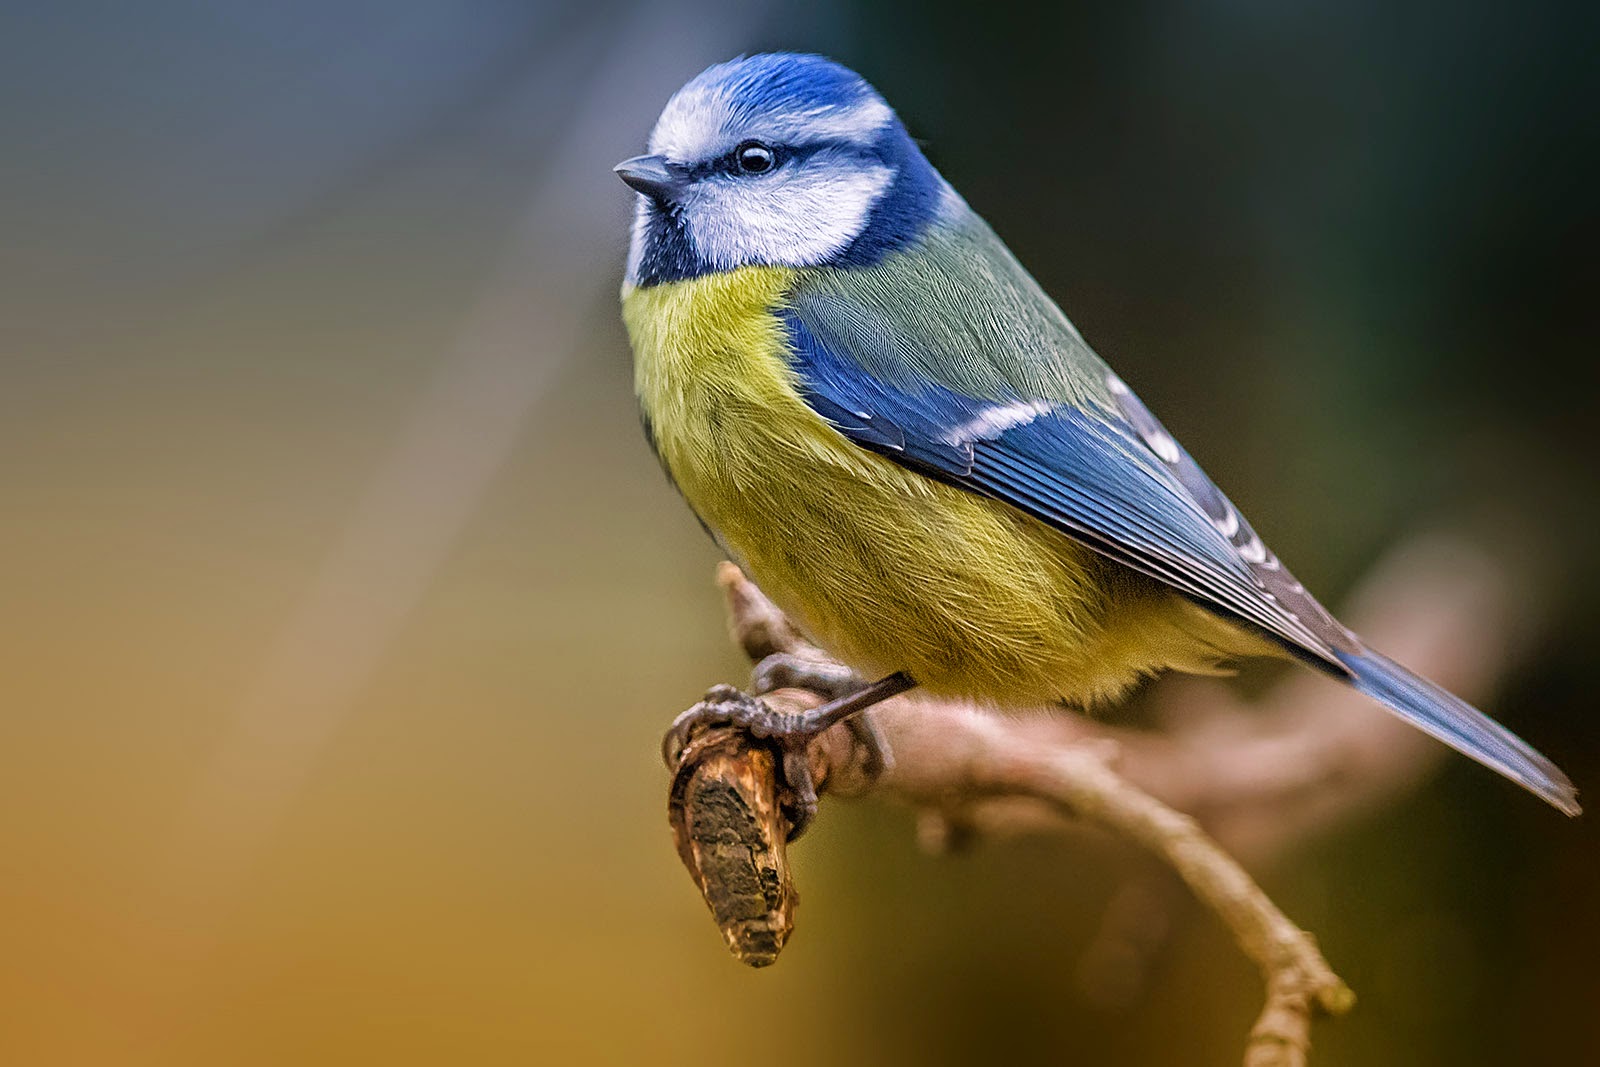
x=702 y=121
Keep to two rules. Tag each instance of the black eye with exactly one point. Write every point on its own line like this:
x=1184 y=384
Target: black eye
x=753 y=157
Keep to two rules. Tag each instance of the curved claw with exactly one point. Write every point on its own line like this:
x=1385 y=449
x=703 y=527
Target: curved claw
x=673 y=742
x=723 y=705
x=800 y=806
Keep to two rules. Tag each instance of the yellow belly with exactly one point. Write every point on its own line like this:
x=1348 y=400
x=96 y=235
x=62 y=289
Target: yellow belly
x=888 y=570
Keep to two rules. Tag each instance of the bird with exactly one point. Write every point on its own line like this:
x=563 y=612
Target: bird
x=890 y=427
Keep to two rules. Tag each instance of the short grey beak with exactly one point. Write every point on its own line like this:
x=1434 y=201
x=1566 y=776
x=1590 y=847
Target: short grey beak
x=651 y=175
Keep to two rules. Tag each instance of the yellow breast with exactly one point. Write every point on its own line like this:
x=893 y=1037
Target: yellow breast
x=885 y=568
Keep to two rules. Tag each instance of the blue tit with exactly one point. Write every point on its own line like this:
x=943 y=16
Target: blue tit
x=890 y=427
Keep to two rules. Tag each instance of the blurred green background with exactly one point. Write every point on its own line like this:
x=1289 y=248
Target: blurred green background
x=344 y=604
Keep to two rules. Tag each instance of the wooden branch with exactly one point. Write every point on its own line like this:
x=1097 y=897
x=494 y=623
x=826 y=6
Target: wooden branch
x=1310 y=755
x=731 y=835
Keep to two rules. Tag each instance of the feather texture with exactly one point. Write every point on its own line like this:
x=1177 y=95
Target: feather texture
x=881 y=416
x=889 y=569
x=1017 y=407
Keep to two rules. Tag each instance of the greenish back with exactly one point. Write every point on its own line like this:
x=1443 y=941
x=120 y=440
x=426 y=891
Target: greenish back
x=979 y=324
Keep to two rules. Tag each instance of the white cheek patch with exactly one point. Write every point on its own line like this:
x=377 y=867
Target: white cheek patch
x=799 y=216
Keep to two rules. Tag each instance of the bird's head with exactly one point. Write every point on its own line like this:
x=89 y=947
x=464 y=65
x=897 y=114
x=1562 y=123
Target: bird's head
x=780 y=160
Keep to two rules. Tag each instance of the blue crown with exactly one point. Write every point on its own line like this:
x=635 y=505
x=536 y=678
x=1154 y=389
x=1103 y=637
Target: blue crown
x=785 y=81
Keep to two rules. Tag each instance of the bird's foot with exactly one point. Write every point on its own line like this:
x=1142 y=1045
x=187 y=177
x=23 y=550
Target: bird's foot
x=723 y=705
x=832 y=681
x=789 y=732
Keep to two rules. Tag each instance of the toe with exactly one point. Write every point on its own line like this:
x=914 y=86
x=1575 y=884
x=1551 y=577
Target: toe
x=877 y=758
x=783 y=670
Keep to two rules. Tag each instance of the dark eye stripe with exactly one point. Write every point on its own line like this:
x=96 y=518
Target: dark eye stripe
x=727 y=163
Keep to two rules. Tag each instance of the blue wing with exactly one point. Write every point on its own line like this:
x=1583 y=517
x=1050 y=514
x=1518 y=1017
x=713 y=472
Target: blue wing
x=1088 y=471
x=1008 y=402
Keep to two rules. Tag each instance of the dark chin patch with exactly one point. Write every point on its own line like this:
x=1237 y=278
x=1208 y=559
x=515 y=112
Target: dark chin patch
x=668 y=255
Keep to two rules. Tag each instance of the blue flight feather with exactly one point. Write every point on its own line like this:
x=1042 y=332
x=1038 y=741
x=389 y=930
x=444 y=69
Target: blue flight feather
x=1091 y=474
x=1460 y=725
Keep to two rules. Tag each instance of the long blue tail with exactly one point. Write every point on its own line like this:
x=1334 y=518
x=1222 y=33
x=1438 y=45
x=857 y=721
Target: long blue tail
x=1461 y=726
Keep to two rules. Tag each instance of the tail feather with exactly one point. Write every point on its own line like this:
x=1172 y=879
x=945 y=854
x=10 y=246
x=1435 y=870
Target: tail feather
x=1461 y=726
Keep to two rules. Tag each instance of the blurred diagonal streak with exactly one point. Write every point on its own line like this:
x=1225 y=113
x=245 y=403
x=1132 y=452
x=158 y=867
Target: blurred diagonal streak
x=529 y=321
